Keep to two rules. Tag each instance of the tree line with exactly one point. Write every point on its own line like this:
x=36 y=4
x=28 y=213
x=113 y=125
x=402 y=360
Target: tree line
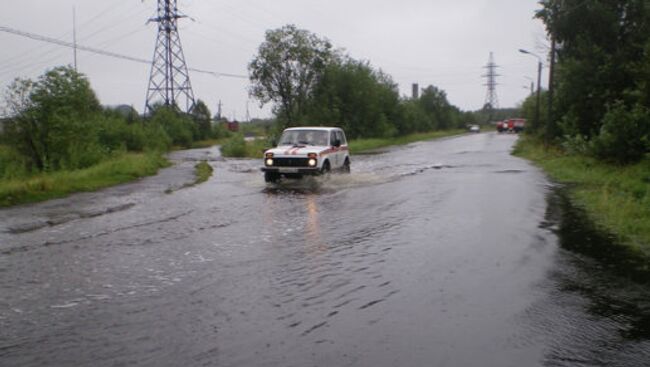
x=601 y=85
x=57 y=123
x=312 y=83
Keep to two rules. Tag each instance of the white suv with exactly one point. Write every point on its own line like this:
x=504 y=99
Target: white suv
x=307 y=151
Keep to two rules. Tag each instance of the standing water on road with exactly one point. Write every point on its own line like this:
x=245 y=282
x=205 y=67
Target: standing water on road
x=442 y=253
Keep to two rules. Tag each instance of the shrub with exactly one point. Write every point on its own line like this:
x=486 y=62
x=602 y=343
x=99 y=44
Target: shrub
x=219 y=131
x=12 y=164
x=116 y=134
x=179 y=128
x=234 y=147
x=577 y=144
x=72 y=143
x=624 y=135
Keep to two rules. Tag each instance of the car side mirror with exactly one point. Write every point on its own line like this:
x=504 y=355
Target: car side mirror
x=336 y=143
x=274 y=142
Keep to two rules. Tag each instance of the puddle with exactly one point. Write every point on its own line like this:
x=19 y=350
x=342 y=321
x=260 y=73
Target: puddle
x=613 y=279
x=577 y=233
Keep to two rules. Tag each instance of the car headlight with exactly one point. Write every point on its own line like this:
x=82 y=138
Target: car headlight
x=269 y=161
x=313 y=161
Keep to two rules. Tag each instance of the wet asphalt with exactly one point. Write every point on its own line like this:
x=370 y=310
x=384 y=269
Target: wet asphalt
x=442 y=253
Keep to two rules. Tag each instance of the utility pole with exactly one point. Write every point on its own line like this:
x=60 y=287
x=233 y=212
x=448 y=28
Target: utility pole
x=74 y=35
x=491 y=99
x=219 y=110
x=539 y=82
x=550 y=124
x=169 y=81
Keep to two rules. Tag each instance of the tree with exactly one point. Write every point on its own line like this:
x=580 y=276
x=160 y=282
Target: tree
x=356 y=97
x=51 y=118
x=528 y=108
x=434 y=102
x=288 y=65
x=601 y=51
x=178 y=126
x=201 y=115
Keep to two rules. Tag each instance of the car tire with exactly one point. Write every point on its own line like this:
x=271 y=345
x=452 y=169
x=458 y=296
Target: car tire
x=346 y=166
x=271 y=177
x=326 y=168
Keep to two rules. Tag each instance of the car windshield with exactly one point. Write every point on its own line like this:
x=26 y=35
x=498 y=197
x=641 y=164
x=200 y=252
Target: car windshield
x=304 y=137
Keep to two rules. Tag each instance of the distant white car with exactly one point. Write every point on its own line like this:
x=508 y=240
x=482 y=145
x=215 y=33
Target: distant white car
x=307 y=151
x=475 y=129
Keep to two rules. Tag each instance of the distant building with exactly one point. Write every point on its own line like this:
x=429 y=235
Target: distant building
x=416 y=91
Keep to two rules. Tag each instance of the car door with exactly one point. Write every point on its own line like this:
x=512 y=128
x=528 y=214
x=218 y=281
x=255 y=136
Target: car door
x=341 y=151
x=334 y=155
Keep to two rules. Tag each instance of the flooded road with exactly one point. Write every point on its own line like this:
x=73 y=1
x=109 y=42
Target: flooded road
x=444 y=253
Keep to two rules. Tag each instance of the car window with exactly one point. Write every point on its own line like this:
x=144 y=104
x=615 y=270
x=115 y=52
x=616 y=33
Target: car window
x=332 y=137
x=304 y=137
x=341 y=137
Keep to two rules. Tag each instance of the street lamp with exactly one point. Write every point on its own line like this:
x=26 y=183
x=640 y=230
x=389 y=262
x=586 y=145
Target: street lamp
x=532 y=85
x=539 y=81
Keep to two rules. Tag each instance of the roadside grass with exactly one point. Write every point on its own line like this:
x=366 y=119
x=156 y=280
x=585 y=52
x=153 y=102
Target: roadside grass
x=120 y=169
x=203 y=171
x=237 y=147
x=617 y=198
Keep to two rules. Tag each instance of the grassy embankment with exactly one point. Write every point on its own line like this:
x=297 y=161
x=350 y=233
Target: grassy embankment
x=616 y=198
x=120 y=169
x=254 y=149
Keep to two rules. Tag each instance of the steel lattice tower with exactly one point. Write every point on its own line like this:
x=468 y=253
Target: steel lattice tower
x=169 y=81
x=491 y=99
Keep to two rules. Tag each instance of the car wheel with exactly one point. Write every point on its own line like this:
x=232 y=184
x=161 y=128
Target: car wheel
x=326 y=168
x=346 y=166
x=271 y=177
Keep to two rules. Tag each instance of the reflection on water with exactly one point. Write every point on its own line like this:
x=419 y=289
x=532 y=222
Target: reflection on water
x=578 y=234
x=312 y=230
x=595 y=274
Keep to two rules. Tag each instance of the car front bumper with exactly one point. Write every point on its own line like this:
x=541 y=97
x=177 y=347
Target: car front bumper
x=292 y=170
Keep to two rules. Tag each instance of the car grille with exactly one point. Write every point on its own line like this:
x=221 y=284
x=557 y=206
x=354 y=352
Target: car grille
x=290 y=162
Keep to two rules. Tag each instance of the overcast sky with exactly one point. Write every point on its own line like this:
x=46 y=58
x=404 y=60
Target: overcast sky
x=441 y=42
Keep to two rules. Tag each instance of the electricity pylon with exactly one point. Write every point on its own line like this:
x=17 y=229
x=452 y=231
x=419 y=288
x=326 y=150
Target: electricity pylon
x=169 y=81
x=491 y=99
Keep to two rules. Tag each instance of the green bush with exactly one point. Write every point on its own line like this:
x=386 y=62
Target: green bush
x=577 y=144
x=12 y=164
x=72 y=143
x=180 y=128
x=154 y=138
x=219 y=131
x=116 y=134
x=234 y=147
x=624 y=136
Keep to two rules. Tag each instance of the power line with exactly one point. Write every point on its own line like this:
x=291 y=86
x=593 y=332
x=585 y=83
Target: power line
x=59 y=42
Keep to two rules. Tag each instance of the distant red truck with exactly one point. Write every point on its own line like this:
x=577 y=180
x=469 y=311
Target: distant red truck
x=511 y=125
